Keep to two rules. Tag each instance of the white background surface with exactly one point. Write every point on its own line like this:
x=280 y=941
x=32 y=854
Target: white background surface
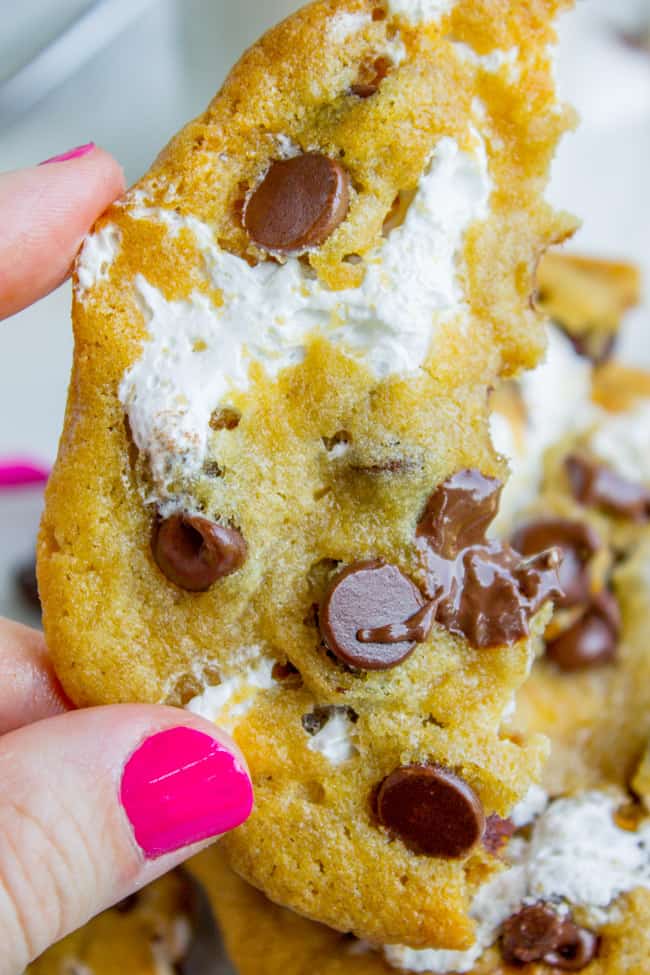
x=162 y=71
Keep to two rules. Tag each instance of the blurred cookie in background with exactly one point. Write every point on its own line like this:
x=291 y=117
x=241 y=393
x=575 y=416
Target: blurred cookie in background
x=165 y=929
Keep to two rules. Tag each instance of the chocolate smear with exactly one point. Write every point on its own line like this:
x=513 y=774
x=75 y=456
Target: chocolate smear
x=484 y=590
x=577 y=541
x=373 y=616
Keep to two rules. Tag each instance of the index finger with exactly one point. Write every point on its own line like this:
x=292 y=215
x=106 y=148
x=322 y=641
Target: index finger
x=45 y=211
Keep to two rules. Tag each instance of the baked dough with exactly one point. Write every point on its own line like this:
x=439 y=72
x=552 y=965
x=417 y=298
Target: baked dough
x=285 y=335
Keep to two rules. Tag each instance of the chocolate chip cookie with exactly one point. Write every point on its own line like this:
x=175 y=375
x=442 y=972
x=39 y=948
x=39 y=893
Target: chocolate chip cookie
x=276 y=481
x=264 y=939
x=574 y=891
x=586 y=300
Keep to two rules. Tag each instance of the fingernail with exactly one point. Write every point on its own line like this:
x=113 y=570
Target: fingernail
x=16 y=472
x=181 y=787
x=76 y=153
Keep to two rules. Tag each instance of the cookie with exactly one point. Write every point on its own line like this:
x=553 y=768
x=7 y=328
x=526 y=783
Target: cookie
x=593 y=490
x=276 y=478
x=586 y=300
x=150 y=933
x=574 y=894
x=264 y=939
x=602 y=468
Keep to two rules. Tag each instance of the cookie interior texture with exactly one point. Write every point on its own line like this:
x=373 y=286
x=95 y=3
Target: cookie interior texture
x=597 y=718
x=324 y=464
x=264 y=939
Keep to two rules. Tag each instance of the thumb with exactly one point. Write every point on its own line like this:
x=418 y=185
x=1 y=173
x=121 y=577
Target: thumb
x=97 y=803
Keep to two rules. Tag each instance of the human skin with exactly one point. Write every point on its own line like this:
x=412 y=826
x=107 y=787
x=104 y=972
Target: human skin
x=84 y=819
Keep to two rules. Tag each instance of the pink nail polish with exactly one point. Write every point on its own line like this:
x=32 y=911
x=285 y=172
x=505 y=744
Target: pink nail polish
x=181 y=787
x=76 y=153
x=17 y=472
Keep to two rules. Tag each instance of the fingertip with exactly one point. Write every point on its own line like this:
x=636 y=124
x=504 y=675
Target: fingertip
x=46 y=212
x=101 y=166
x=99 y=802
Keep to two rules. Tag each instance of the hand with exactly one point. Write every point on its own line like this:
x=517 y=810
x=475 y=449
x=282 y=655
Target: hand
x=96 y=803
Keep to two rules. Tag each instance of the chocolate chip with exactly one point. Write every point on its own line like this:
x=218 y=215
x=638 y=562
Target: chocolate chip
x=340 y=439
x=316 y=720
x=298 y=204
x=225 y=418
x=460 y=512
x=286 y=674
x=370 y=77
x=194 y=553
x=597 y=486
x=495 y=594
x=498 y=832
x=578 y=947
x=373 y=616
x=538 y=934
x=591 y=641
x=432 y=810
x=27 y=585
x=578 y=543
x=531 y=934
x=484 y=590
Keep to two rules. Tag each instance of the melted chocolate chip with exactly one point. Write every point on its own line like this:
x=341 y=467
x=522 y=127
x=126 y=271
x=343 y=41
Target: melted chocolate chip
x=497 y=595
x=593 y=640
x=531 y=934
x=498 y=832
x=415 y=629
x=194 y=553
x=432 y=810
x=460 y=512
x=484 y=590
x=597 y=486
x=577 y=949
x=373 y=616
x=298 y=204
x=577 y=542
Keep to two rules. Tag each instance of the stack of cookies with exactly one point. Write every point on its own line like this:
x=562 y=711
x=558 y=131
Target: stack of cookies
x=294 y=408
